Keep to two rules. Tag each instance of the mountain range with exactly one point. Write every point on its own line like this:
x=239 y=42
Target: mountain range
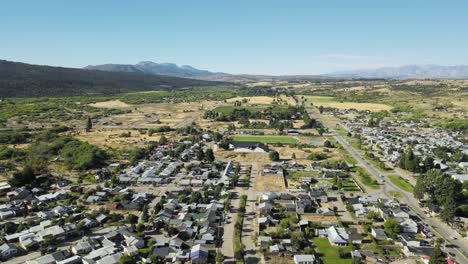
x=403 y=72
x=407 y=72
x=149 y=67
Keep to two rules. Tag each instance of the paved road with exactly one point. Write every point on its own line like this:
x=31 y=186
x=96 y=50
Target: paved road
x=440 y=228
x=228 y=247
x=250 y=220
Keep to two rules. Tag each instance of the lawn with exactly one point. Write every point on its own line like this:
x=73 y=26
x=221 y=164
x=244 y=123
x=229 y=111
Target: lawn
x=401 y=183
x=330 y=253
x=266 y=139
x=366 y=178
x=300 y=174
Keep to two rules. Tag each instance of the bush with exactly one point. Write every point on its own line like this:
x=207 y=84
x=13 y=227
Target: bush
x=81 y=156
x=317 y=156
x=274 y=156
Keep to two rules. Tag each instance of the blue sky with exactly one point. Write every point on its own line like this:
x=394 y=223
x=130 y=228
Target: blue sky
x=237 y=36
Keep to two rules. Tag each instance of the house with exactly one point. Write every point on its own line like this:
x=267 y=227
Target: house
x=325 y=211
x=264 y=241
x=71 y=260
x=8 y=250
x=51 y=258
x=111 y=259
x=341 y=236
x=378 y=233
x=265 y=208
x=276 y=248
x=248 y=147
x=84 y=246
x=199 y=254
x=304 y=259
x=409 y=226
x=399 y=213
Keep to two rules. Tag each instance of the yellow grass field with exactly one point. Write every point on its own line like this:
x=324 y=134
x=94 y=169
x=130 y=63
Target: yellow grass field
x=112 y=138
x=117 y=104
x=269 y=184
x=253 y=99
x=326 y=101
x=318 y=218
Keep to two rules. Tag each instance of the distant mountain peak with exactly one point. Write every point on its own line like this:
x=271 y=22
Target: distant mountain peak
x=407 y=72
x=150 y=67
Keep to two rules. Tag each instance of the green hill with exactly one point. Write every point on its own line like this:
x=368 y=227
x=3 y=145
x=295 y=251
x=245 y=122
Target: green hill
x=27 y=80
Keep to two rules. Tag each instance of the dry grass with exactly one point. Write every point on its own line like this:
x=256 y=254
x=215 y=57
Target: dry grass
x=112 y=138
x=241 y=157
x=358 y=106
x=111 y=104
x=326 y=101
x=270 y=184
x=253 y=99
x=318 y=218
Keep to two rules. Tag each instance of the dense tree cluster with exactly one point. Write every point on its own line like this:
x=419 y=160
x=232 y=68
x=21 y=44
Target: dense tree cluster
x=441 y=190
x=412 y=163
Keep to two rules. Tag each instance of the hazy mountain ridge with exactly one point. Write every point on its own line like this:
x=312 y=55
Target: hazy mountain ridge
x=28 y=80
x=149 y=67
x=407 y=71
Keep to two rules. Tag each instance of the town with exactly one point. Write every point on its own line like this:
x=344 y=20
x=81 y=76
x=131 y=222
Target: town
x=311 y=185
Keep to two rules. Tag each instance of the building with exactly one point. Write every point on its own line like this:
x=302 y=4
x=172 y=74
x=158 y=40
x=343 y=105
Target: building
x=248 y=147
x=199 y=254
x=304 y=259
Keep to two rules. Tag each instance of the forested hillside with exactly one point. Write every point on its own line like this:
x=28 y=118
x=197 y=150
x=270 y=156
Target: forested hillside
x=27 y=80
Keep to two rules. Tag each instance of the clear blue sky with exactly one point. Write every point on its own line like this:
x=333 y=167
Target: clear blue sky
x=237 y=36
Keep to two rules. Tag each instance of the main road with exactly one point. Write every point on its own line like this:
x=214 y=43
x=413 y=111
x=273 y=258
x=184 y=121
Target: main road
x=460 y=244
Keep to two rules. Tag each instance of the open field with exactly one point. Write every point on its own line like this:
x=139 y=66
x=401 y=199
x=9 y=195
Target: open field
x=114 y=138
x=401 y=183
x=330 y=102
x=330 y=253
x=241 y=157
x=110 y=104
x=270 y=184
x=155 y=115
x=253 y=99
x=266 y=139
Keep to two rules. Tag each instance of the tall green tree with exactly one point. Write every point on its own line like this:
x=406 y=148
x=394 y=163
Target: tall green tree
x=89 y=124
x=438 y=256
x=392 y=227
x=209 y=155
x=274 y=156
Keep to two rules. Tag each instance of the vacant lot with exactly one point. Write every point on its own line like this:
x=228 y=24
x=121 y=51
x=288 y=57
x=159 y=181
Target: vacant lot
x=270 y=184
x=266 y=139
x=401 y=183
x=318 y=218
